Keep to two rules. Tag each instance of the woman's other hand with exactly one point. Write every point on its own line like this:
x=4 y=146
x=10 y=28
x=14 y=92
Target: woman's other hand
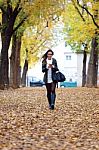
x=50 y=66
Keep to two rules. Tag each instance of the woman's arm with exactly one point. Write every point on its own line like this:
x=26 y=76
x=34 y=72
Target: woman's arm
x=44 y=68
x=54 y=66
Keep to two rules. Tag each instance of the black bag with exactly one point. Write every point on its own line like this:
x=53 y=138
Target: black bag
x=58 y=77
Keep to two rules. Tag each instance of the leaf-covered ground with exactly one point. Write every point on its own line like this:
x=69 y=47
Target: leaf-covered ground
x=26 y=123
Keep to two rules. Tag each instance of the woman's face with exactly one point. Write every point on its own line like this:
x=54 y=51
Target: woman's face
x=49 y=55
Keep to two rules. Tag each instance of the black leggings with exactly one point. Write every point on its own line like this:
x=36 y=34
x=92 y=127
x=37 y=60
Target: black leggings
x=51 y=87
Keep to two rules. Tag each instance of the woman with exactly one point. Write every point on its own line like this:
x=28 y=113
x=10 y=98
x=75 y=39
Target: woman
x=49 y=67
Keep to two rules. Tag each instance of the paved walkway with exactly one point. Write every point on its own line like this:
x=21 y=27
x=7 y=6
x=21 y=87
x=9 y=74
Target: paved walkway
x=26 y=123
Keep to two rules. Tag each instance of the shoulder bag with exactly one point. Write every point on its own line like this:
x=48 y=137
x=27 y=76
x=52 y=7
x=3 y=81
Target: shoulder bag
x=58 y=77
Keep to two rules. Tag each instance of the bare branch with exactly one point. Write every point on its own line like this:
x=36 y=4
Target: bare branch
x=88 y=13
x=78 y=11
x=41 y=44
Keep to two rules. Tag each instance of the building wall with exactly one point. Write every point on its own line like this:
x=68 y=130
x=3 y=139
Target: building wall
x=69 y=63
x=70 y=66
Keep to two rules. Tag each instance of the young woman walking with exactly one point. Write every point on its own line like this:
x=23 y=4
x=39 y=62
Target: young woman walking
x=49 y=67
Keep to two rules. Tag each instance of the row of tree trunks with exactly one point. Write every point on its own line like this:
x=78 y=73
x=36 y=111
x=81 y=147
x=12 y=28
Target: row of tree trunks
x=8 y=19
x=15 y=69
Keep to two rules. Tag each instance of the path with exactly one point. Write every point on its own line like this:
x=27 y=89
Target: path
x=26 y=123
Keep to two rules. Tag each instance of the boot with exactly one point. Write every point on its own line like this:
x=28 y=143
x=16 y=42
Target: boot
x=53 y=96
x=49 y=100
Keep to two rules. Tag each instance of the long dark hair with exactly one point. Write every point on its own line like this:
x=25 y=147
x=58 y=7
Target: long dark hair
x=44 y=57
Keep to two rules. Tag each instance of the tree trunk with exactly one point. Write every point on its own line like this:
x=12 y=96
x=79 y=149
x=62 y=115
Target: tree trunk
x=15 y=74
x=12 y=60
x=93 y=65
x=8 y=19
x=84 y=69
x=17 y=63
x=93 y=61
x=6 y=34
x=25 y=69
x=4 y=65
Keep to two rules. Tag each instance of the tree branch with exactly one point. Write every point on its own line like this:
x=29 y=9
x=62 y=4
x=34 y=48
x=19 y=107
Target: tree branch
x=17 y=6
x=88 y=13
x=41 y=44
x=2 y=9
x=78 y=11
x=9 y=8
x=22 y=21
x=16 y=11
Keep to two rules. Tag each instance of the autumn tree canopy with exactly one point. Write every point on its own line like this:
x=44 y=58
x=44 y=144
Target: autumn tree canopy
x=14 y=14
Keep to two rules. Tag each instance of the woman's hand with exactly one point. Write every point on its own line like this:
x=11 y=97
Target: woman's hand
x=50 y=66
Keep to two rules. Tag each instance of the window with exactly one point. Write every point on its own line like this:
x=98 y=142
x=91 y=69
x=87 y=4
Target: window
x=68 y=57
x=65 y=44
x=70 y=79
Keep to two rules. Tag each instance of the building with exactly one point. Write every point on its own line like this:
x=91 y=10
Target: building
x=70 y=63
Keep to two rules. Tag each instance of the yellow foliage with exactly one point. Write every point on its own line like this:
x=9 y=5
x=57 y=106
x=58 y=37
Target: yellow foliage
x=34 y=40
x=77 y=29
x=41 y=18
x=40 y=23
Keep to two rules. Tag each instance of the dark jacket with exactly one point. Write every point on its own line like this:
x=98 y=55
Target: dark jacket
x=45 y=69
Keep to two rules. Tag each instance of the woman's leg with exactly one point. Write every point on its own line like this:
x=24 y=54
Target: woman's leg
x=53 y=94
x=53 y=87
x=48 y=87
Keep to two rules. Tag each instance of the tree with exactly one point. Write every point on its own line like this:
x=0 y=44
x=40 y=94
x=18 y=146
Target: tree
x=93 y=61
x=15 y=69
x=34 y=41
x=25 y=69
x=9 y=15
x=84 y=65
x=93 y=64
x=10 y=11
x=81 y=29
